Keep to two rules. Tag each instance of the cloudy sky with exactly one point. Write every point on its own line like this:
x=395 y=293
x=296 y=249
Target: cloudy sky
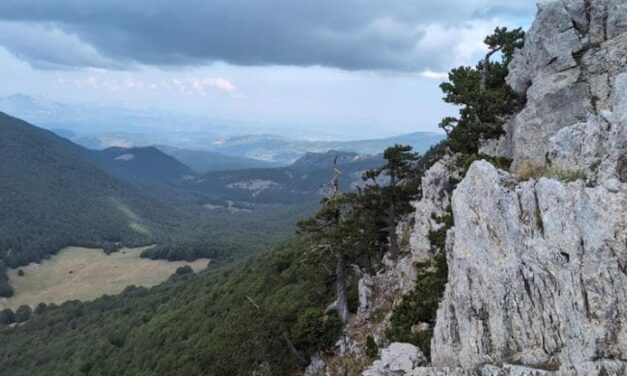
x=356 y=65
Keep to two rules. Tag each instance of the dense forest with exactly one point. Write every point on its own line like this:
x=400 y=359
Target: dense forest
x=141 y=164
x=225 y=321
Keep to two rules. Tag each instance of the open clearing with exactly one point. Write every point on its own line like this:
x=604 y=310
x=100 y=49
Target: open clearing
x=86 y=274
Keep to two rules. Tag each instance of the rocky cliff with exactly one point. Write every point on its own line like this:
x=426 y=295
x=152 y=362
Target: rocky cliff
x=537 y=281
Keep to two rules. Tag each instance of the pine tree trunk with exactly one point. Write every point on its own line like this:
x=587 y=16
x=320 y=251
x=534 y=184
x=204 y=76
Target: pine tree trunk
x=391 y=221
x=394 y=248
x=484 y=73
x=484 y=70
x=340 y=282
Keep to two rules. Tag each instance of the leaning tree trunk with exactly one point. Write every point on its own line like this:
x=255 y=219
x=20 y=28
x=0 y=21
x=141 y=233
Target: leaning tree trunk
x=484 y=70
x=341 y=304
x=340 y=284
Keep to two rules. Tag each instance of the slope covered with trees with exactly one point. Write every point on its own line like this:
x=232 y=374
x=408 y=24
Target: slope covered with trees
x=263 y=314
x=305 y=181
x=51 y=197
x=267 y=313
x=142 y=165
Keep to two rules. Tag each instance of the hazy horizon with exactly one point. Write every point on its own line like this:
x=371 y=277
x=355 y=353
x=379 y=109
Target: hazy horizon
x=362 y=69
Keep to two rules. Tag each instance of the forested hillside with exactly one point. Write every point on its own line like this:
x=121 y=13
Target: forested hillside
x=266 y=314
x=52 y=198
x=142 y=165
x=225 y=321
x=305 y=181
x=54 y=194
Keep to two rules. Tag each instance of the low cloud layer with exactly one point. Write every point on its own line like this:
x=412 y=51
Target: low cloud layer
x=396 y=35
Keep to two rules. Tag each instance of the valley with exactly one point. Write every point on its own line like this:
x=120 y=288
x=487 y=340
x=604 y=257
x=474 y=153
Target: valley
x=280 y=188
x=84 y=274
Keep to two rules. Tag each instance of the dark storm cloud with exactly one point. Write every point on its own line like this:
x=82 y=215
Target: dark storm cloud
x=348 y=34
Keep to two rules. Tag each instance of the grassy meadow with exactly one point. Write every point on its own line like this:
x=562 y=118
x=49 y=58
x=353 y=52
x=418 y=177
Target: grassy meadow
x=86 y=274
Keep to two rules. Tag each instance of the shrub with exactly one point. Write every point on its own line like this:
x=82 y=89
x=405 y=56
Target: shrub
x=372 y=350
x=532 y=170
x=41 y=308
x=117 y=337
x=23 y=313
x=185 y=269
x=352 y=297
x=314 y=331
x=110 y=247
x=7 y=317
x=6 y=291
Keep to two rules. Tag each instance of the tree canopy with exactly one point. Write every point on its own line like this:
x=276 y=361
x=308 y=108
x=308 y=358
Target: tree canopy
x=484 y=97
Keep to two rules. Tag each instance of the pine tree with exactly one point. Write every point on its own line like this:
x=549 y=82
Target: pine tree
x=328 y=235
x=396 y=194
x=483 y=94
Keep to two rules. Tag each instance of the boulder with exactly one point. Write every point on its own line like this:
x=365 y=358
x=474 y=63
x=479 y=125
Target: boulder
x=398 y=359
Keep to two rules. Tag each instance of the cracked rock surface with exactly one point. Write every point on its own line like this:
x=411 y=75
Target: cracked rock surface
x=537 y=279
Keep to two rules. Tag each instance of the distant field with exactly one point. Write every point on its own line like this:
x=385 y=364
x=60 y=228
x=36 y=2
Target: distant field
x=86 y=274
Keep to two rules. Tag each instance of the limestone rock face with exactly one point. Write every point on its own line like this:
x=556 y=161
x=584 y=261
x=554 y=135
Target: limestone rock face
x=537 y=276
x=572 y=72
x=538 y=269
x=537 y=282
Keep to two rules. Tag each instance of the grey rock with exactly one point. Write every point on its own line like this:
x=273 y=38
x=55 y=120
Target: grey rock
x=536 y=275
x=316 y=367
x=537 y=279
x=571 y=71
x=598 y=21
x=436 y=192
x=621 y=168
x=398 y=359
x=616 y=18
x=364 y=287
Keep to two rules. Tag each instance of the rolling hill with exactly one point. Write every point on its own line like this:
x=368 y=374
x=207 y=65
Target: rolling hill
x=203 y=161
x=142 y=164
x=302 y=182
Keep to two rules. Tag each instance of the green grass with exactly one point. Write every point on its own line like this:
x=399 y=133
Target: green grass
x=86 y=274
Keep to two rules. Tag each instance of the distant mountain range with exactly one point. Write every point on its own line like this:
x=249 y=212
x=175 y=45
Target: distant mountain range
x=99 y=127
x=55 y=193
x=201 y=143
x=285 y=151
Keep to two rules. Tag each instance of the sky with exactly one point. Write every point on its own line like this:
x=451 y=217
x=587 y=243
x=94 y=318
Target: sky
x=366 y=67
